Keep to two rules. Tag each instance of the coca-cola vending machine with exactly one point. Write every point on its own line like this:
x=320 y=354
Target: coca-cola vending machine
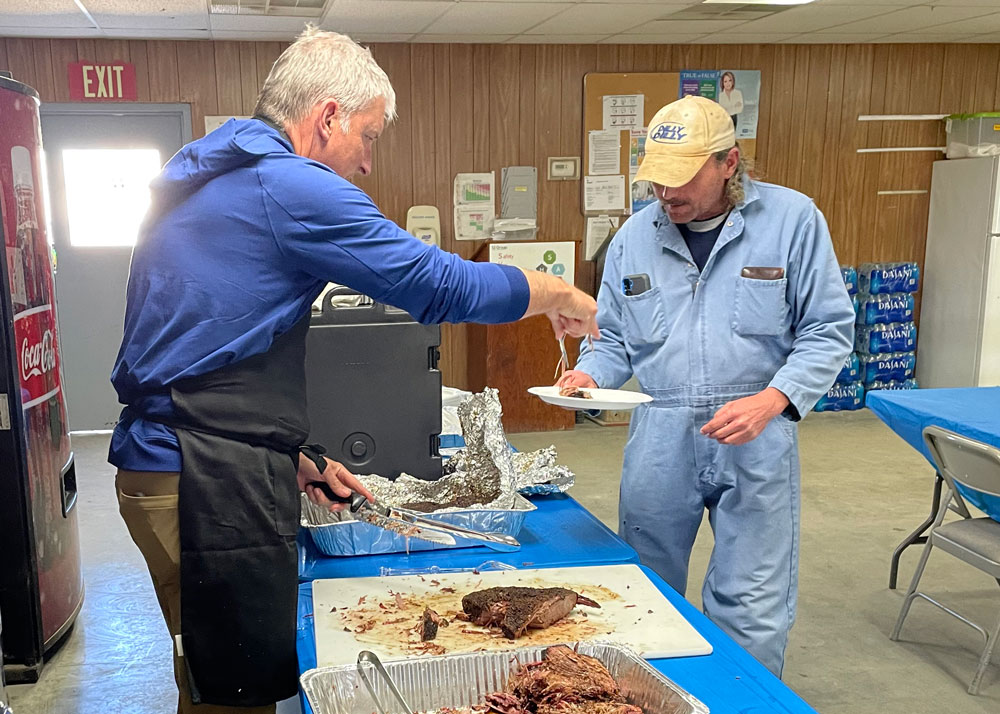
x=41 y=584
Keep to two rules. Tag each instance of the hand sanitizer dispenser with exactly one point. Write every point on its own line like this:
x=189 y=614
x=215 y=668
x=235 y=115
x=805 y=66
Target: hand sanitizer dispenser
x=424 y=222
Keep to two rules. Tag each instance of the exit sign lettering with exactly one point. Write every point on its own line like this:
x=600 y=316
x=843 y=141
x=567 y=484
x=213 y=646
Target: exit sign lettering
x=102 y=82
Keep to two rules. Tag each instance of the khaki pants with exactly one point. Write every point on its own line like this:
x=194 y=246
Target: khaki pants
x=148 y=503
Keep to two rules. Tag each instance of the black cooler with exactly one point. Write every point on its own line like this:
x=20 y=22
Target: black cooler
x=374 y=389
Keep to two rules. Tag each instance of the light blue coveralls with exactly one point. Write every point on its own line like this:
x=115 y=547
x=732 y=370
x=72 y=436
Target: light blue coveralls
x=696 y=341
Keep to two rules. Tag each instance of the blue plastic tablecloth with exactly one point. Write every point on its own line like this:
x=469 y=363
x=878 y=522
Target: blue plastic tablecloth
x=973 y=412
x=560 y=533
x=728 y=681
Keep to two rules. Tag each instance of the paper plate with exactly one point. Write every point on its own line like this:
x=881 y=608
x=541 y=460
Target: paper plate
x=610 y=399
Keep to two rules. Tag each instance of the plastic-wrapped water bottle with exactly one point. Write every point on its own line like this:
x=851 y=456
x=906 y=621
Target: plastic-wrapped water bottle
x=856 y=301
x=879 y=278
x=842 y=397
x=851 y=371
x=892 y=384
x=880 y=368
x=886 y=339
x=884 y=308
x=850 y=274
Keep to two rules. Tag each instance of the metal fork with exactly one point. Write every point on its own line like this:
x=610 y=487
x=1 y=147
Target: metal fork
x=366 y=657
x=563 y=364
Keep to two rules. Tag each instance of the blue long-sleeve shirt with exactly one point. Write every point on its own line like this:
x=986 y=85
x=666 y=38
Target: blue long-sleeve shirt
x=699 y=329
x=241 y=236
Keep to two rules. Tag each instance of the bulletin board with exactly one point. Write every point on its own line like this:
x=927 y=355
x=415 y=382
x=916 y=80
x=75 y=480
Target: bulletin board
x=658 y=89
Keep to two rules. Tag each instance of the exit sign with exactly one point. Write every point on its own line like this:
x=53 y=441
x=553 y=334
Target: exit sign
x=102 y=81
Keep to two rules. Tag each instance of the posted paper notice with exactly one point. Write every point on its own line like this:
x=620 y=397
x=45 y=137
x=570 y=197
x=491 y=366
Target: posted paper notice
x=604 y=194
x=474 y=205
x=598 y=228
x=623 y=111
x=604 y=157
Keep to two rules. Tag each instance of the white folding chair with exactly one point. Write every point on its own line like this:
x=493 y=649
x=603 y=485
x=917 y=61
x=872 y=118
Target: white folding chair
x=976 y=541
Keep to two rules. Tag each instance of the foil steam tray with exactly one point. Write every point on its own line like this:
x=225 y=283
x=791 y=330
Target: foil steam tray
x=340 y=534
x=462 y=680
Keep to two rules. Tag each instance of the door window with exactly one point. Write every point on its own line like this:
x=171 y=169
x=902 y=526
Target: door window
x=107 y=194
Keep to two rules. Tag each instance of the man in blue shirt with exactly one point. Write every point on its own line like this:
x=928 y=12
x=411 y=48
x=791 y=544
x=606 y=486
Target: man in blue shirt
x=245 y=228
x=725 y=300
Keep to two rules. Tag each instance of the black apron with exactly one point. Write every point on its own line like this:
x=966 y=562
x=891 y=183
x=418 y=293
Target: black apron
x=240 y=428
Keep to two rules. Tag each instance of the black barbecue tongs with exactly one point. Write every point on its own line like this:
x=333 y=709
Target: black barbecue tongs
x=405 y=522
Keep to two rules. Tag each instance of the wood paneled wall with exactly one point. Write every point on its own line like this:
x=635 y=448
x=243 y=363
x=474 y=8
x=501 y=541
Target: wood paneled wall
x=482 y=107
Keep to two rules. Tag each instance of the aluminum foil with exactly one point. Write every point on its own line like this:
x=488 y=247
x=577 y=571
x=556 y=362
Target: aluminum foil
x=341 y=534
x=480 y=476
x=533 y=473
x=537 y=474
x=429 y=683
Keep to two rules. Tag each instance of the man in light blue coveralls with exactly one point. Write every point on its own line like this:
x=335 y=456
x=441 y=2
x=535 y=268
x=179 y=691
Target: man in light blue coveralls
x=726 y=301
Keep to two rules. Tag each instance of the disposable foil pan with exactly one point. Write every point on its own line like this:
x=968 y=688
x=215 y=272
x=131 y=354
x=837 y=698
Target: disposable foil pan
x=340 y=534
x=462 y=680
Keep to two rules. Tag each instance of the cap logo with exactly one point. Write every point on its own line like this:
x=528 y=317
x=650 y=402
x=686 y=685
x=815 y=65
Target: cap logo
x=669 y=133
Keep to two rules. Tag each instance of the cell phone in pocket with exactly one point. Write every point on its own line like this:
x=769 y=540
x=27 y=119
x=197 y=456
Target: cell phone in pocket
x=633 y=285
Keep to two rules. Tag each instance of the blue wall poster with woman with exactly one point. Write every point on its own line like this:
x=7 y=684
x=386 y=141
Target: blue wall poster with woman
x=737 y=90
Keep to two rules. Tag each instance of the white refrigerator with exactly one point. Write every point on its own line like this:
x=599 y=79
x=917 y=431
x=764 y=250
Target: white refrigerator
x=959 y=343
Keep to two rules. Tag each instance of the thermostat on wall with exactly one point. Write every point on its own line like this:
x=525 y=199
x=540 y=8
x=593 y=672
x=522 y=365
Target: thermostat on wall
x=564 y=168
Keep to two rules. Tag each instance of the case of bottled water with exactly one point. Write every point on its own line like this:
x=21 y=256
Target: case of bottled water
x=842 y=397
x=885 y=308
x=880 y=278
x=886 y=339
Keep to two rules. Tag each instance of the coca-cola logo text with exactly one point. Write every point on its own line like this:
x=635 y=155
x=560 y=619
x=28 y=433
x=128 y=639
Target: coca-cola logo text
x=39 y=358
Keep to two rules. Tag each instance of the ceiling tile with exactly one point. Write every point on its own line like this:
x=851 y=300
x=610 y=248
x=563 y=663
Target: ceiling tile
x=49 y=32
x=728 y=38
x=606 y=2
x=649 y=39
x=913 y=18
x=593 y=18
x=280 y=36
x=960 y=3
x=557 y=39
x=684 y=27
x=134 y=14
x=639 y=2
x=462 y=39
x=253 y=23
x=810 y=18
x=834 y=39
x=171 y=34
x=495 y=17
x=382 y=16
x=889 y=3
x=978 y=25
x=373 y=37
x=914 y=37
x=41 y=14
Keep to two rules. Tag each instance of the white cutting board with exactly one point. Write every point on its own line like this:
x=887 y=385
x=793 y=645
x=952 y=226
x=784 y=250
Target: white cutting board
x=632 y=613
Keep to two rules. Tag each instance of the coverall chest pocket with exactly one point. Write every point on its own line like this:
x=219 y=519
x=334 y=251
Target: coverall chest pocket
x=645 y=322
x=759 y=307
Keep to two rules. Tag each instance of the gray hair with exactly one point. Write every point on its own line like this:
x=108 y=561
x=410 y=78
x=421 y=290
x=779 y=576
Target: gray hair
x=323 y=65
x=734 y=185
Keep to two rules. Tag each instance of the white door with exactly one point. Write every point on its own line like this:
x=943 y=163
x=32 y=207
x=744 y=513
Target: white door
x=100 y=160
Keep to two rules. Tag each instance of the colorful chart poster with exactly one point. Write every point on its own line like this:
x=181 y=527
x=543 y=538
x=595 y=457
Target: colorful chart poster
x=642 y=191
x=739 y=95
x=737 y=90
x=701 y=83
x=555 y=258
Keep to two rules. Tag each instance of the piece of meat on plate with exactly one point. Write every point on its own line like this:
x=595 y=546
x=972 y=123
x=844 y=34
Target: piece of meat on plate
x=574 y=392
x=515 y=609
x=429 y=623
